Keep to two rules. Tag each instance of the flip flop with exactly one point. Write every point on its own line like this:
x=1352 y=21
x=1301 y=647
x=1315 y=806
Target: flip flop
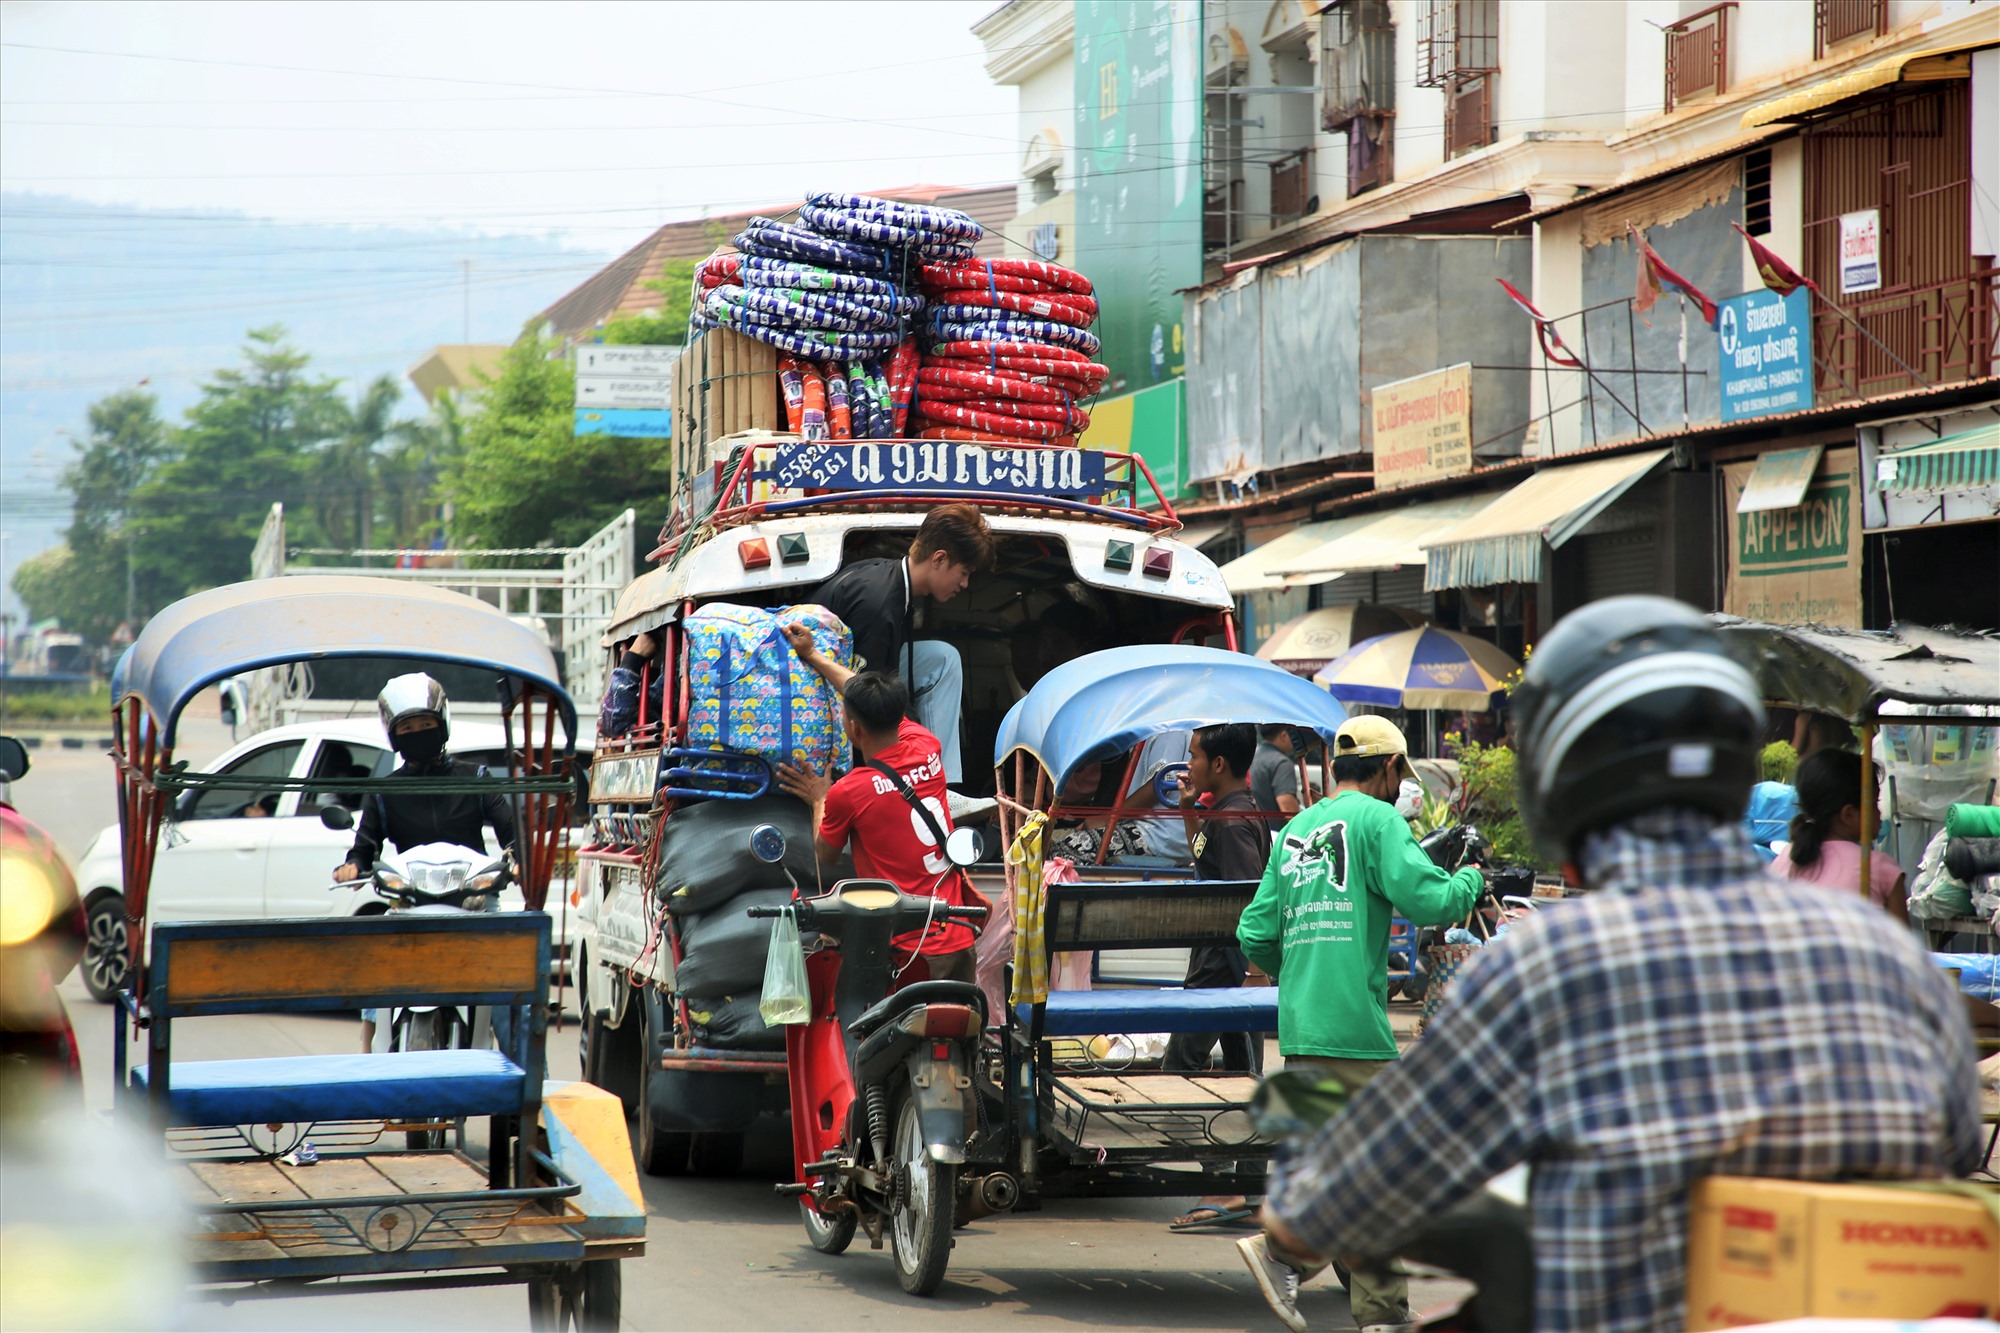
x=1203 y=1216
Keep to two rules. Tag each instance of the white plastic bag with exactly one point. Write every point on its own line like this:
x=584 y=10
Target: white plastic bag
x=786 y=997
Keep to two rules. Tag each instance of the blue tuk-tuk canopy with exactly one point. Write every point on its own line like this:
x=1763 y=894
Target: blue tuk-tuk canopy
x=1100 y=705
x=241 y=627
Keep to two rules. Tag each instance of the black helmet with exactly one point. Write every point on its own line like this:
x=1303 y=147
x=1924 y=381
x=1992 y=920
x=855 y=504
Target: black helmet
x=1632 y=704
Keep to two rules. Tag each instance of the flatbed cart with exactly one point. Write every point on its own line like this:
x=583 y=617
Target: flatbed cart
x=284 y=1163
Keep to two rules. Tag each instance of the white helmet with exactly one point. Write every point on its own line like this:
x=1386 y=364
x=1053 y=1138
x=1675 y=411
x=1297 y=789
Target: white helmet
x=411 y=695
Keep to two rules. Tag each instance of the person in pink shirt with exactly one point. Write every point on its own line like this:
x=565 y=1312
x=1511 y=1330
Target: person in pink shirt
x=1826 y=834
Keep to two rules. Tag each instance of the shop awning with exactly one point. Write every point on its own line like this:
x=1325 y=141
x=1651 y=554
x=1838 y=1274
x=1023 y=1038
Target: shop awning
x=1503 y=542
x=1388 y=540
x=1199 y=535
x=1945 y=62
x=1258 y=570
x=1780 y=479
x=1961 y=462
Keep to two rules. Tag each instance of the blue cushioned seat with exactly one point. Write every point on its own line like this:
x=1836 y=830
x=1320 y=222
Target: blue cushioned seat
x=305 y=1088
x=1087 y=1013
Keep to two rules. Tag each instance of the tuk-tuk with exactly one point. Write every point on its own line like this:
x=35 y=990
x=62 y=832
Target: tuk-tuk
x=288 y=1162
x=1908 y=677
x=771 y=519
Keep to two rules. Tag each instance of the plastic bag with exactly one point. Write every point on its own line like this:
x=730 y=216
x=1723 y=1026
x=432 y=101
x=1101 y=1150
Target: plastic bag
x=786 y=998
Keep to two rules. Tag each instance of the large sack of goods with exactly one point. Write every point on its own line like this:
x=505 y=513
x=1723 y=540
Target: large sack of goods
x=732 y=1023
x=705 y=855
x=723 y=949
x=749 y=692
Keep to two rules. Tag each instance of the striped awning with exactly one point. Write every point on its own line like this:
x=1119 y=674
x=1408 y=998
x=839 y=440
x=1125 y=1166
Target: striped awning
x=1962 y=462
x=1944 y=62
x=1503 y=543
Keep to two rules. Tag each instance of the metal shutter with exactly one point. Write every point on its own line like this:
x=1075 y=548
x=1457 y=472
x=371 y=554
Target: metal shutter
x=1616 y=563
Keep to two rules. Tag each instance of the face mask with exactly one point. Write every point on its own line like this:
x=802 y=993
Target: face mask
x=421 y=747
x=1410 y=798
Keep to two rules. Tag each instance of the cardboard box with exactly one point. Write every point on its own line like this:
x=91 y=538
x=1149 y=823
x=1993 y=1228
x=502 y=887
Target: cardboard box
x=723 y=383
x=1763 y=1250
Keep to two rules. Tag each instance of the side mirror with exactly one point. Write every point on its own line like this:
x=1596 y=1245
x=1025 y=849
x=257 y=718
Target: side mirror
x=13 y=759
x=767 y=843
x=963 y=847
x=336 y=817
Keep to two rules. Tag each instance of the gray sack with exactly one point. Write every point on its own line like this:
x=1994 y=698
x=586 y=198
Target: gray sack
x=732 y=1023
x=705 y=852
x=723 y=949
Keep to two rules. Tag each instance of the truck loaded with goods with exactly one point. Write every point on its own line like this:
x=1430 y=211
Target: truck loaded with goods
x=849 y=371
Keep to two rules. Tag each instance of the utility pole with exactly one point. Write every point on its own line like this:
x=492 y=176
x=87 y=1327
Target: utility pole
x=465 y=335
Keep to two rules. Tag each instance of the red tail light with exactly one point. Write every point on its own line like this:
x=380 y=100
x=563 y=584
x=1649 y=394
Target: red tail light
x=950 y=1020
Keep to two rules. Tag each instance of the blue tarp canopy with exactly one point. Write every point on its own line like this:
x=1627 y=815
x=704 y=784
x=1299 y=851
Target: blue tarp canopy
x=1102 y=704
x=241 y=627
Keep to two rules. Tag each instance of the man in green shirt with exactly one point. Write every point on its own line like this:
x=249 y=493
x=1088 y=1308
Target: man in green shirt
x=1319 y=926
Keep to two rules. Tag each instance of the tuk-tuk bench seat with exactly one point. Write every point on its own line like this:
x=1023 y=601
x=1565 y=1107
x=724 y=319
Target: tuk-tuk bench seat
x=1090 y=1013
x=307 y=1089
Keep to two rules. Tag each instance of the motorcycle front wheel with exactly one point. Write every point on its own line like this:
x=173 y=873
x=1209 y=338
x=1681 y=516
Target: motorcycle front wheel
x=426 y=1031
x=926 y=1192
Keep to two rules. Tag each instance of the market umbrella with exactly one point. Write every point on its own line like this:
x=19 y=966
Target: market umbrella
x=1307 y=643
x=1419 y=668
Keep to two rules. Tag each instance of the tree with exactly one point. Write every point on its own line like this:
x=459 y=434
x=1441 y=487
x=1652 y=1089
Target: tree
x=669 y=327
x=127 y=441
x=524 y=477
x=47 y=583
x=347 y=467
x=248 y=443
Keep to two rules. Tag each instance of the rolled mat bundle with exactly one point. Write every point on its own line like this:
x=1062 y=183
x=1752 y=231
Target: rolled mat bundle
x=1965 y=820
x=1008 y=356
x=1969 y=858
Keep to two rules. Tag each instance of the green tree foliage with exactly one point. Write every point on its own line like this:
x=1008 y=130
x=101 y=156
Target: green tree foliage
x=99 y=577
x=45 y=581
x=524 y=478
x=669 y=326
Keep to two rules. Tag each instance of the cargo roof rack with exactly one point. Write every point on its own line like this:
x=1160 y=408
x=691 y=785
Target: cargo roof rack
x=764 y=474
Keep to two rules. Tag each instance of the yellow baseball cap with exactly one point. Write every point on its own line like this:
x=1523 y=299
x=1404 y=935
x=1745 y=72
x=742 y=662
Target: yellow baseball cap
x=1363 y=737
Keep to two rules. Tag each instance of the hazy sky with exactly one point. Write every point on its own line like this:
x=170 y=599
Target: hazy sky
x=597 y=120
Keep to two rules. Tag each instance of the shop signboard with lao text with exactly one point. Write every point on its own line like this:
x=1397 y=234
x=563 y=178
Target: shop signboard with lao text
x=1423 y=427
x=1765 y=344
x=1800 y=565
x=933 y=466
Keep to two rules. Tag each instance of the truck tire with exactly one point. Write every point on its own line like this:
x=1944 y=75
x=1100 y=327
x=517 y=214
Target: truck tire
x=717 y=1154
x=660 y=1151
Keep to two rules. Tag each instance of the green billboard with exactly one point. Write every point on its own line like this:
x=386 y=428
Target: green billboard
x=1139 y=178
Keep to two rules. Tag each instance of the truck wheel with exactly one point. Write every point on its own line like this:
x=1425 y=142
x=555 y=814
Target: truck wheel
x=717 y=1154
x=660 y=1151
x=920 y=1225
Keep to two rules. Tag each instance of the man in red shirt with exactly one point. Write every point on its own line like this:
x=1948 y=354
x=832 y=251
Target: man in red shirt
x=891 y=806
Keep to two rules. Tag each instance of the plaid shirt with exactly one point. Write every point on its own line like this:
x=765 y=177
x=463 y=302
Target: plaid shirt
x=1690 y=1018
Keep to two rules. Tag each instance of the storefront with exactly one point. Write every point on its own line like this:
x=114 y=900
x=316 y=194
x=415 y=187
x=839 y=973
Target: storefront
x=1930 y=508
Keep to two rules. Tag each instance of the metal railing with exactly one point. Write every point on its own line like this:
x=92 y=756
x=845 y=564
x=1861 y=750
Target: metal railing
x=1835 y=21
x=1698 y=55
x=1945 y=332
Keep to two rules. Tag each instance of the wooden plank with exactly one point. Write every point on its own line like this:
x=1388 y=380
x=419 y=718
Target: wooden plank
x=1171 y=1089
x=1100 y=1088
x=340 y=1178
x=429 y=1173
x=247 y=1183
x=252 y=969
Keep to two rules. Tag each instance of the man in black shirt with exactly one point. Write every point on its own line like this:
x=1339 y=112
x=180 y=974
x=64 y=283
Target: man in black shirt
x=878 y=599
x=1235 y=846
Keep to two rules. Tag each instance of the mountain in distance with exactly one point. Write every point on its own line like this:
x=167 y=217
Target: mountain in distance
x=95 y=298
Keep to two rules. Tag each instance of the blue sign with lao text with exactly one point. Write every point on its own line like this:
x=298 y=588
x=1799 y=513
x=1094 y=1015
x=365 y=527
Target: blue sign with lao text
x=1766 y=350
x=632 y=423
x=937 y=465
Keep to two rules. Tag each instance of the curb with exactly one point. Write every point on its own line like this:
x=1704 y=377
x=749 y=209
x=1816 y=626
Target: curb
x=35 y=741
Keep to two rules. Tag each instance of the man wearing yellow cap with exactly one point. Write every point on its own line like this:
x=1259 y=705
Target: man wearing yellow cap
x=1319 y=926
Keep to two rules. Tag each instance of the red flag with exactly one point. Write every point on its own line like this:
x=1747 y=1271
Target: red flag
x=1779 y=276
x=1654 y=275
x=1553 y=347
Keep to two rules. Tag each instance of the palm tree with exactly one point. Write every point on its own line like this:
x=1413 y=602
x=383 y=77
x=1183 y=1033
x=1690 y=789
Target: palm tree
x=349 y=464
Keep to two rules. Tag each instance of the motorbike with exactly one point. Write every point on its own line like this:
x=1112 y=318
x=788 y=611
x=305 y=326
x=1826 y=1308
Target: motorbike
x=882 y=1079
x=436 y=877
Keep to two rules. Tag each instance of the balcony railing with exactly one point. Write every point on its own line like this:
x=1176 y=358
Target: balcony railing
x=1698 y=55
x=1945 y=332
x=1836 y=21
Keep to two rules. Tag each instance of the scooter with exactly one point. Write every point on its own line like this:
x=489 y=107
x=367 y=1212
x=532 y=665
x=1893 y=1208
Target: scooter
x=431 y=878
x=883 y=1102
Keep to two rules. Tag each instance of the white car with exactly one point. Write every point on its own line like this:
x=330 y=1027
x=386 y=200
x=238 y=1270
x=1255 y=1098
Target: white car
x=229 y=855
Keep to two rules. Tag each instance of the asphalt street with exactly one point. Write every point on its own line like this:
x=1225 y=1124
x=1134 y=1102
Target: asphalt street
x=723 y=1254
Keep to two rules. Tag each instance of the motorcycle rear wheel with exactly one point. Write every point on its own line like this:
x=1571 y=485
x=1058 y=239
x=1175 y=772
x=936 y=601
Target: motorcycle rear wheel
x=828 y=1235
x=920 y=1225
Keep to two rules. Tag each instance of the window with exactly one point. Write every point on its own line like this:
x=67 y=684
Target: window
x=343 y=759
x=1458 y=52
x=1698 y=55
x=1757 y=192
x=1357 y=63
x=1468 y=116
x=1042 y=186
x=273 y=761
x=1837 y=21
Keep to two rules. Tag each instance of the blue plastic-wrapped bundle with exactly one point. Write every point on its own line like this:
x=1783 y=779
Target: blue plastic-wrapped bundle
x=965 y=323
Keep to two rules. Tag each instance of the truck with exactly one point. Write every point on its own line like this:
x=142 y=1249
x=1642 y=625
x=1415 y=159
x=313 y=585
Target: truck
x=762 y=518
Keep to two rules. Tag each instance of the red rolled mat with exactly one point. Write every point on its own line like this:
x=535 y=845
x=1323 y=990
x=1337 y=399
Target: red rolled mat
x=956 y=414
x=902 y=382
x=1083 y=379
x=980 y=351
x=1075 y=418
x=988 y=437
x=1006 y=275
x=1080 y=311
x=950 y=382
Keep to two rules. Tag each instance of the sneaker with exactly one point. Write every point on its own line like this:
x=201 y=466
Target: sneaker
x=303 y=1155
x=969 y=809
x=1279 y=1281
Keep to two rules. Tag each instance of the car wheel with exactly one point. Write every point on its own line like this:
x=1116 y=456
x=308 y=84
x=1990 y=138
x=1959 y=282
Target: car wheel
x=106 y=956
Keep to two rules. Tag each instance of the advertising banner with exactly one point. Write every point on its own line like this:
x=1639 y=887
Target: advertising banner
x=1800 y=565
x=1860 y=251
x=1152 y=424
x=1139 y=178
x=1423 y=427
x=1765 y=344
